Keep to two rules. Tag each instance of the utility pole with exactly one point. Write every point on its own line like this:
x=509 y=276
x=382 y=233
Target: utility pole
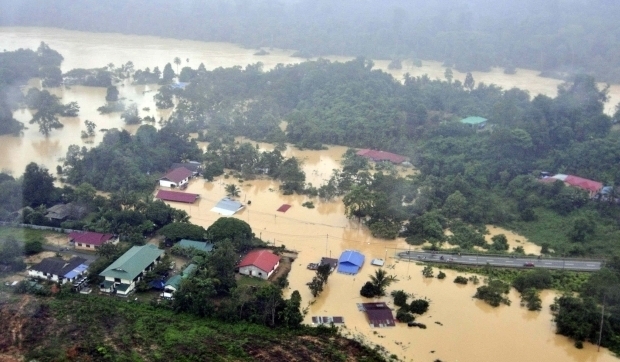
x=600 y=332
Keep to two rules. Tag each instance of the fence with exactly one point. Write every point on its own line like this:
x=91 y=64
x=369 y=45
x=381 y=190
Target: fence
x=38 y=227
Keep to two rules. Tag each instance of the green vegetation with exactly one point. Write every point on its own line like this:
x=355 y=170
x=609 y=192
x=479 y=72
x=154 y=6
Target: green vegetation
x=377 y=284
x=494 y=293
x=100 y=328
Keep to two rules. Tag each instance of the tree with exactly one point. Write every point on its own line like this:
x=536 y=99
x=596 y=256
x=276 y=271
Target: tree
x=455 y=204
x=130 y=115
x=291 y=315
x=469 y=81
x=368 y=290
x=90 y=128
x=448 y=74
x=358 y=202
x=323 y=272
x=316 y=286
x=177 y=61
x=232 y=190
x=168 y=74
x=493 y=293
x=237 y=231
x=33 y=245
x=176 y=231
x=221 y=266
x=419 y=306
x=400 y=298
x=111 y=94
x=500 y=243
x=427 y=272
x=381 y=280
x=38 y=186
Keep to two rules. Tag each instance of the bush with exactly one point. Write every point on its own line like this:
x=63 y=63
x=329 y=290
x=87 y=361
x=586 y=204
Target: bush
x=368 y=290
x=460 y=280
x=419 y=306
x=33 y=245
x=427 y=272
x=400 y=298
x=538 y=279
x=441 y=275
x=493 y=293
x=403 y=315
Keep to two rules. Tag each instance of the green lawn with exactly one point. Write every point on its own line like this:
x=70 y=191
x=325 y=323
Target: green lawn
x=245 y=280
x=22 y=234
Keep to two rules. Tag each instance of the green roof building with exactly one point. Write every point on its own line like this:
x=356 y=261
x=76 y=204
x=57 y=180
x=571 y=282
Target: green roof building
x=173 y=284
x=123 y=274
x=198 y=245
x=474 y=121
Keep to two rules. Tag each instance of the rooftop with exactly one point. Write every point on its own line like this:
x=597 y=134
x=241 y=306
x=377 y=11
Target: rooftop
x=198 y=245
x=264 y=260
x=59 y=266
x=177 y=175
x=177 y=196
x=90 y=238
x=227 y=207
x=473 y=120
x=133 y=262
x=379 y=314
x=381 y=156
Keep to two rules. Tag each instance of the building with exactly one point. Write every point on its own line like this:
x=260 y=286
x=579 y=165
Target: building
x=333 y=263
x=174 y=283
x=59 y=270
x=227 y=207
x=475 y=121
x=379 y=156
x=90 y=240
x=63 y=212
x=174 y=196
x=123 y=274
x=194 y=166
x=590 y=186
x=350 y=262
x=198 y=245
x=176 y=178
x=379 y=314
x=259 y=263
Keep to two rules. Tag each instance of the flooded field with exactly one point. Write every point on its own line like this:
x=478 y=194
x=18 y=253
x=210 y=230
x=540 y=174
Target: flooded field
x=469 y=330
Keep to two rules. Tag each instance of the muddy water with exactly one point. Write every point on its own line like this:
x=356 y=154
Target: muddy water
x=470 y=330
x=514 y=240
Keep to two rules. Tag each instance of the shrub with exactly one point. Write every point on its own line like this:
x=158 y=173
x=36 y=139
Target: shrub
x=419 y=306
x=400 y=298
x=404 y=316
x=441 y=275
x=427 y=272
x=460 y=280
x=368 y=290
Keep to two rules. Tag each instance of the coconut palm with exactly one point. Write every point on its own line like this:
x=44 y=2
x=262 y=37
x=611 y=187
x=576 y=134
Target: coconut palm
x=381 y=280
x=232 y=190
x=177 y=61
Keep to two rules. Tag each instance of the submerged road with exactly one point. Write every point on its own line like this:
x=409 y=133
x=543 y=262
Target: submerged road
x=503 y=261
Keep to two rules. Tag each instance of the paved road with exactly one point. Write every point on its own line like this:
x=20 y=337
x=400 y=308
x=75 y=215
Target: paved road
x=504 y=261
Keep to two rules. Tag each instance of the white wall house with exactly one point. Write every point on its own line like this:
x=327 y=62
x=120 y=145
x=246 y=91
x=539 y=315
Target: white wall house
x=59 y=270
x=122 y=276
x=176 y=178
x=259 y=263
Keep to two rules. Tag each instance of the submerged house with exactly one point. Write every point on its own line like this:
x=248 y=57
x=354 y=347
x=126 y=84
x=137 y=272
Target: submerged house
x=63 y=212
x=176 y=178
x=478 y=122
x=227 y=207
x=379 y=156
x=59 y=270
x=198 y=245
x=194 y=166
x=350 y=262
x=259 y=263
x=174 y=196
x=379 y=314
x=125 y=272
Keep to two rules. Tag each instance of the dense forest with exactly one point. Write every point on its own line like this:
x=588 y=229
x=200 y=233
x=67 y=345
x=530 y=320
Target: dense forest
x=558 y=37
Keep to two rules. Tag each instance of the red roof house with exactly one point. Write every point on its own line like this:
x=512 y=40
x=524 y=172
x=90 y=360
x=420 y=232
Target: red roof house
x=591 y=186
x=259 y=263
x=379 y=156
x=89 y=240
x=177 y=196
x=175 y=178
x=379 y=314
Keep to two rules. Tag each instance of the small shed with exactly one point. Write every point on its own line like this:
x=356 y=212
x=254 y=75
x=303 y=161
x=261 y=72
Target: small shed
x=350 y=262
x=227 y=207
x=284 y=208
x=377 y=262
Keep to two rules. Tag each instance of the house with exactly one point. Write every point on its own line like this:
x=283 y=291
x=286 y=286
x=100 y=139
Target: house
x=227 y=207
x=123 y=274
x=333 y=263
x=379 y=156
x=185 y=197
x=63 y=212
x=194 y=166
x=59 y=270
x=379 y=314
x=176 y=178
x=350 y=262
x=198 y=245
x=590 y=186
x=474 y=121
x=259 y=263
x=174 y=283
x=90 y=240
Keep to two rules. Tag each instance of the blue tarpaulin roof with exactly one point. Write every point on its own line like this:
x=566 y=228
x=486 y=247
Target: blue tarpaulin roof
x=77 y=271
x=350 y=262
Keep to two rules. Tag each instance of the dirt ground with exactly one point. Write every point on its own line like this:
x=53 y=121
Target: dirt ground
x=61 y=240
x=284 y=268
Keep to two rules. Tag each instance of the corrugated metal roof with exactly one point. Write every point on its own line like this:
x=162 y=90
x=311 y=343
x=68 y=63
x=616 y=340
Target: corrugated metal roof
x=133 y=262
x=473 y=120
x=177 y=175
x=265 y=260
x=90 y=237
x=198 y=245
x=177 y=196
x=350 y=262
x=227 y=207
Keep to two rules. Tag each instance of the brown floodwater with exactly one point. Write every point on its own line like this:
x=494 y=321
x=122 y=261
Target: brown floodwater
x=469 y=331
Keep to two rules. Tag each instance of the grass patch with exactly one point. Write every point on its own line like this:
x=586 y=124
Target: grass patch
x=245 y=280
x=21 y=234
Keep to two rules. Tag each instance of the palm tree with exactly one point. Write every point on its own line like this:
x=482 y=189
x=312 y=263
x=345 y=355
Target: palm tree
x=381 y=280
x=177 y=61
x=232 y=190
